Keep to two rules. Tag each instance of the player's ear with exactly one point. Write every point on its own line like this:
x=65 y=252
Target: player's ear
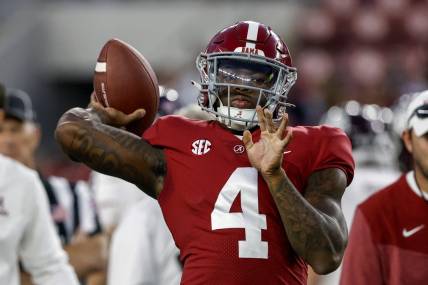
x=1 y=116
x=406 y=136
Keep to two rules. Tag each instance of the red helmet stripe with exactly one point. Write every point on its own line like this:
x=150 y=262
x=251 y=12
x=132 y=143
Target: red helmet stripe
x=253 y=31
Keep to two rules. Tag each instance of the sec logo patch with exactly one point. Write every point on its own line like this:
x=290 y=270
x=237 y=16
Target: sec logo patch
x=201 y=147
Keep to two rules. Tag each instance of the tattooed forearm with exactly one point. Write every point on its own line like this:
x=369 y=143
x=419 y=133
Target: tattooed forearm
x=314 y=224
x=112 y=151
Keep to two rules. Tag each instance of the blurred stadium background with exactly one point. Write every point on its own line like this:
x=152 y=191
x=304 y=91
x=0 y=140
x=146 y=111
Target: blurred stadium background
x=368 y=50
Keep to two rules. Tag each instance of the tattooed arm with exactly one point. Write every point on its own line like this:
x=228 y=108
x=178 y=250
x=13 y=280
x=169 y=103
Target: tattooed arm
x=314 y=222
x=93 y=136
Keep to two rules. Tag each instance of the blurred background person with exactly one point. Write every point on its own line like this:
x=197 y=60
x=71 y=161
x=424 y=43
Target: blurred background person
x=142 y=250
x=388 y=240
x=113 y=197
x=71 y=203
x=375 y=150
x=27 y=232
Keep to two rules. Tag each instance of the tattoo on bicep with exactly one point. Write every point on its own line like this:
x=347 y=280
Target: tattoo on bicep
x=152 y=156
x=325 y=183
x=116 y=152
x=308 y=229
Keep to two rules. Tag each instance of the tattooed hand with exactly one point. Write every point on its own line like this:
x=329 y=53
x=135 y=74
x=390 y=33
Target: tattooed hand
x=266 y=155
x=111 y=116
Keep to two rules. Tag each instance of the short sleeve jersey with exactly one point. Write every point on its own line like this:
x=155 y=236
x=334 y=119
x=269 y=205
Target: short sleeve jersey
x=219 y=209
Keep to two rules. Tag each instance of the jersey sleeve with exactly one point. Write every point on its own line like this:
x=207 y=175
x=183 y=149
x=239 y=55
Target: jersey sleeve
x=160 y=132
x=334 y=150
x=167 y=132
x=361 y=264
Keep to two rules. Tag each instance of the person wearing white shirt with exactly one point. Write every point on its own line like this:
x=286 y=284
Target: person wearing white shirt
x=142 y=251
x=113 y=196
x=27 y=232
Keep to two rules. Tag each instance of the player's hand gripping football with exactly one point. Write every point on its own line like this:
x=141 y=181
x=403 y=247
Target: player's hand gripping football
x=114 y=117
x=266 y=155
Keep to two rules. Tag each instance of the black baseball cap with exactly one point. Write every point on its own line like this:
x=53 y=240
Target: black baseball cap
x=18 y=105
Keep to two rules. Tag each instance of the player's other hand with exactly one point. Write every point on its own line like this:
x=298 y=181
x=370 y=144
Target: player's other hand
x=266 y=155
x=111 y=116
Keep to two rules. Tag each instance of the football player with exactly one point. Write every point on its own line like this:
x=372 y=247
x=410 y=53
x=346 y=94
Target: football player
x=248 y=199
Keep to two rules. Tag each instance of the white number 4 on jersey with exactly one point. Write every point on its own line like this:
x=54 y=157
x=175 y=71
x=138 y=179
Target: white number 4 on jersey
x=243 y=180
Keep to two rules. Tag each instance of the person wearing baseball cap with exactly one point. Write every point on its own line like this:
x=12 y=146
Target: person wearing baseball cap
x=18 y=105
x=388 y=240
x=76 y=219
x=417 y=114
x=27 y=231
x=19 y=135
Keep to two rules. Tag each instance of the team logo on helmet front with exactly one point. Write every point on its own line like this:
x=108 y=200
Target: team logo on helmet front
x=250 y=50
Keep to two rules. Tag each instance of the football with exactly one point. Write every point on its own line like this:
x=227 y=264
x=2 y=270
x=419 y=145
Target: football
x=124 y=80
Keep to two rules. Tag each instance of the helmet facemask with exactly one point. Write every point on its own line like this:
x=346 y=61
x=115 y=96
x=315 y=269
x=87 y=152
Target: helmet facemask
x=229 y=76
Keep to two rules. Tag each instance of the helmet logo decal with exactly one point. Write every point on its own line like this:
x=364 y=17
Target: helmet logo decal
x=249 y=50
x=200 y=147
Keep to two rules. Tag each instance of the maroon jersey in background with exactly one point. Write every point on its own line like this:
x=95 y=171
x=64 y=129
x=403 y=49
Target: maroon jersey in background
x=220 y=211
x=388 y=243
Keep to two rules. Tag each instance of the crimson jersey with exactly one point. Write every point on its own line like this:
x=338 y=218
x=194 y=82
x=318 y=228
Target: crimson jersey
x=388 y=240
x=220 y=211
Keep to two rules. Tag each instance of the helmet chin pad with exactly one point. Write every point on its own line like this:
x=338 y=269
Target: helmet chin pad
x=237 y=119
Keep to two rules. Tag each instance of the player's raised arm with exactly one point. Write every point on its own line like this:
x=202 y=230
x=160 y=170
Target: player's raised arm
x=314 y=222
x=94 y=136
